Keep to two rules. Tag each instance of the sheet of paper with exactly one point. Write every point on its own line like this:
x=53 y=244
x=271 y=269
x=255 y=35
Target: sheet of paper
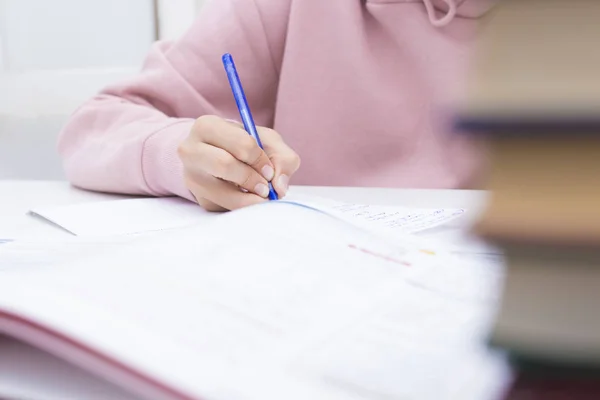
x=459 y=239
x=414 y=346
x=248 y=310
x=124 y=217
x=386 y=219
x=25 y=255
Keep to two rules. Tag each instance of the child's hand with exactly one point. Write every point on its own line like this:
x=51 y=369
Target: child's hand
x=225 y=168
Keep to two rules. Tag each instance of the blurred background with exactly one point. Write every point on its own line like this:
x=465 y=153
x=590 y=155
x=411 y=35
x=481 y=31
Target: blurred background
x=54 y=54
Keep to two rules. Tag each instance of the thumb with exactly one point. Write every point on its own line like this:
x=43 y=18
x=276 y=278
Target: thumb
x=285 y=160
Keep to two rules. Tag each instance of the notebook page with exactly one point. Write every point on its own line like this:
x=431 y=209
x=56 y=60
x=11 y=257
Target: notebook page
x=414 y=346
x=201 y=316
x=30 y=254
x=443 y=228
x=387 y=219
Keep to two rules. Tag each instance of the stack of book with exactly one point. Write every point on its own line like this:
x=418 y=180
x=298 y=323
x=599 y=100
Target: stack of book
x=535 y=98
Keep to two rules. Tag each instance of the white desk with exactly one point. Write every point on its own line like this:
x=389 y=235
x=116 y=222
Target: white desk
x=57 y=380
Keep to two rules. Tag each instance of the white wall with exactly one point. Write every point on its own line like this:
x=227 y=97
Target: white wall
x=54 y=54
x=57 y=53
x=42 y=34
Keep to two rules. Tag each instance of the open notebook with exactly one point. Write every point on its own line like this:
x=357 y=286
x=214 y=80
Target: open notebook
x=276 y=301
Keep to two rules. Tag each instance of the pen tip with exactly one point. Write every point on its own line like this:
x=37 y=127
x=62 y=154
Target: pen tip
x=273 y=195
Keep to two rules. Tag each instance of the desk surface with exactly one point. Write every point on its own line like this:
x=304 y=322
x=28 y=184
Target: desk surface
x=18 y=197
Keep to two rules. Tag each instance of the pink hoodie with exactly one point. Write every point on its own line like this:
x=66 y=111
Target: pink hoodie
x=354 y=86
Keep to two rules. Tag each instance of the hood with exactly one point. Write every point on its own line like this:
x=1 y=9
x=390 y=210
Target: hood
x=442 y=12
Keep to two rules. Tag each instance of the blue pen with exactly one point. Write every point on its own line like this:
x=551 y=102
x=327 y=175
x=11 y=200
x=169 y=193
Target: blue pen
x=242 y=104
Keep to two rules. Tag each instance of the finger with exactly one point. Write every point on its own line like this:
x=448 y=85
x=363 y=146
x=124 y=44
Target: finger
x=217 y=195
x=209 y=205
x=194 y=182
x=285 y=160
x=232 y=138
x=194 y=185
x=221 y=164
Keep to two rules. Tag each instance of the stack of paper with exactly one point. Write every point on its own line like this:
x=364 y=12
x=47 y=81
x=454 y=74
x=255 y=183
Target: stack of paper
x=281 y=300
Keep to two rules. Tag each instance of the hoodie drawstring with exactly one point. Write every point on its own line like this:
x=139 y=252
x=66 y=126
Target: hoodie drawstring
x=446 y=19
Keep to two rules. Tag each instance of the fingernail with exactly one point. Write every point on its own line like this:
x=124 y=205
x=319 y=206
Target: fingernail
x=268 y=172
x=262 y=190
x=283 y=183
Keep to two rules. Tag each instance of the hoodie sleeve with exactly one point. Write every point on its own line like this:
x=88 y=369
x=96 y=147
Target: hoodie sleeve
x=125 y=139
